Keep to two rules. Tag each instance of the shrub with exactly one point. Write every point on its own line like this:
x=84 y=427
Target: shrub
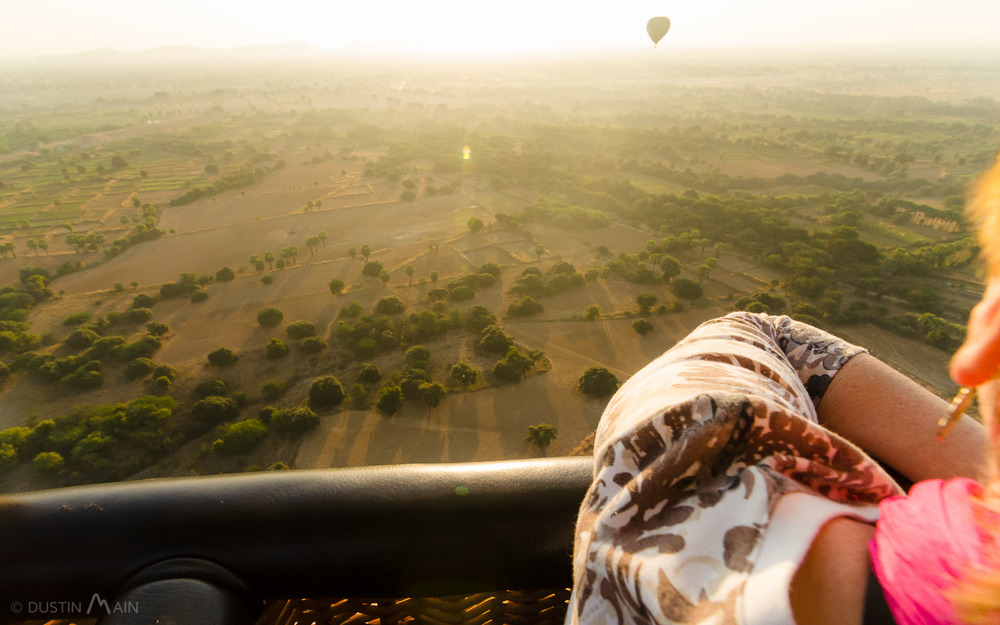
x=225 y=274
x=642 y=326
x=491 y=268
x=390 y=400
x=598 y=382
x=563 y=267
x=336 y=286
x=503 y=371
x=461 y=293
x=495 y=340
x=199 y=296
x=685 y=288
x=432 y=393
x=48 y=463
x=478 y=318
x=138 y=315
x=165 y=371
x=81 y=338
x=276 y=349
x=369 y=374
x=138 y=368
x=436 y=295
x=105 y=347
x=269 y=317
x=273 y=389
x=240 y=437
x=267 y=279
x=156 y=328
x=372 y=269
x=312 y=345
x=300 y=329
x=143 y=301
x=207 y=388
x=77 y=319
x=645 y=301
x=418 y=355
x=592 y=312
x=527 y=306
x=462 y=373
x=326 y=391
x=351 y=311
x=294 y=421
x=222 y=357
x=389 y=306
x=214 y=409
x=142 y=348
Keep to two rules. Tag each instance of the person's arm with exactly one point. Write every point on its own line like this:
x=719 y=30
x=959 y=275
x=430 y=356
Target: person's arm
x=894 y=419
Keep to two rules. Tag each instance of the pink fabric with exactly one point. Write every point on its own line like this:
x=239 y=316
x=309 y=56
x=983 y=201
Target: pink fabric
x=923 y=542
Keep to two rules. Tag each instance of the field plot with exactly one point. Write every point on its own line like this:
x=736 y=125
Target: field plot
x=190 y=266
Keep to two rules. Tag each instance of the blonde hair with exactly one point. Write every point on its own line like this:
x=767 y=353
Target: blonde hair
x=977 y=597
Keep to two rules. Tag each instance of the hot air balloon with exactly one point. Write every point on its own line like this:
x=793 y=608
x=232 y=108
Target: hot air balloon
x=657 y=27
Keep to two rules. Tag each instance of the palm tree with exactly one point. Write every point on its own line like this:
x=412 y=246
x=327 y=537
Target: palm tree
x=409 y=271
x=33 y=245
x=269 y=259
x=539 y=250
x=366 y=251
x=322 y=237
x=255 y=262
x=352 y=252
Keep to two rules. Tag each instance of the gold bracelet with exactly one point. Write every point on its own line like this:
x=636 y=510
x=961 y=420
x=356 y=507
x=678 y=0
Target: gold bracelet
x=956 y=409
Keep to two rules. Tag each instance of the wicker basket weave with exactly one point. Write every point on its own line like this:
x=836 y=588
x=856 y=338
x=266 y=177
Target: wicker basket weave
x=531 y=607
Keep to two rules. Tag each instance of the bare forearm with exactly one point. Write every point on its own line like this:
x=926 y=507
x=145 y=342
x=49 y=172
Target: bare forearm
x=895 y=420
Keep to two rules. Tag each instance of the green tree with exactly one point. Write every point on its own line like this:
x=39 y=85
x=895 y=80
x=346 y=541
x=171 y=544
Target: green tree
x=369 y=374
x=645 y=301
x=390 y=400
x=384 y=276
x=597 y=382
x=240 y=437
x=322 y=236
x=475 y=224
x=336 y=286
x=671 y=268
x=539 y=251
x=366 y=251
x=592 y=312
x=300 y=329
x=686 y=289
x=48 y=463
x=409 y=273
x=325 y=392
x=464 y=374
x=642 y=326
x=273 y=389
x=214 y=409
x=222 y=357
x=541 y=436
x=225 y=274
x=294 y=421
x=432 y=393
x=269 y=317
x=276 y=349
x=269 y=259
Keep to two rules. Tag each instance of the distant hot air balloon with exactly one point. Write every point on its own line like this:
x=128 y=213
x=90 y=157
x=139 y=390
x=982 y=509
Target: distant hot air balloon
x=657 y=27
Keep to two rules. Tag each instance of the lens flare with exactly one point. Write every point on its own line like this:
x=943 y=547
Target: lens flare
x=466 y=153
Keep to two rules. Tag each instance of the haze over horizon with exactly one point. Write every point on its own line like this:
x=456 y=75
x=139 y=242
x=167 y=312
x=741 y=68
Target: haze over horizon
x=60 y=27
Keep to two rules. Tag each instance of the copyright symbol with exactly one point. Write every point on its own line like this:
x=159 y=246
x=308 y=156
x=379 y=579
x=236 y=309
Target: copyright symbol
x=16 y=607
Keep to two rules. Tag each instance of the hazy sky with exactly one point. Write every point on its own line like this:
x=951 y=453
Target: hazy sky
x=40 y=27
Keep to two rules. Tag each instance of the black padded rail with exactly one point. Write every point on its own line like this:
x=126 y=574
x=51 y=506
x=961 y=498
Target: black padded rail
x=392 y=531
